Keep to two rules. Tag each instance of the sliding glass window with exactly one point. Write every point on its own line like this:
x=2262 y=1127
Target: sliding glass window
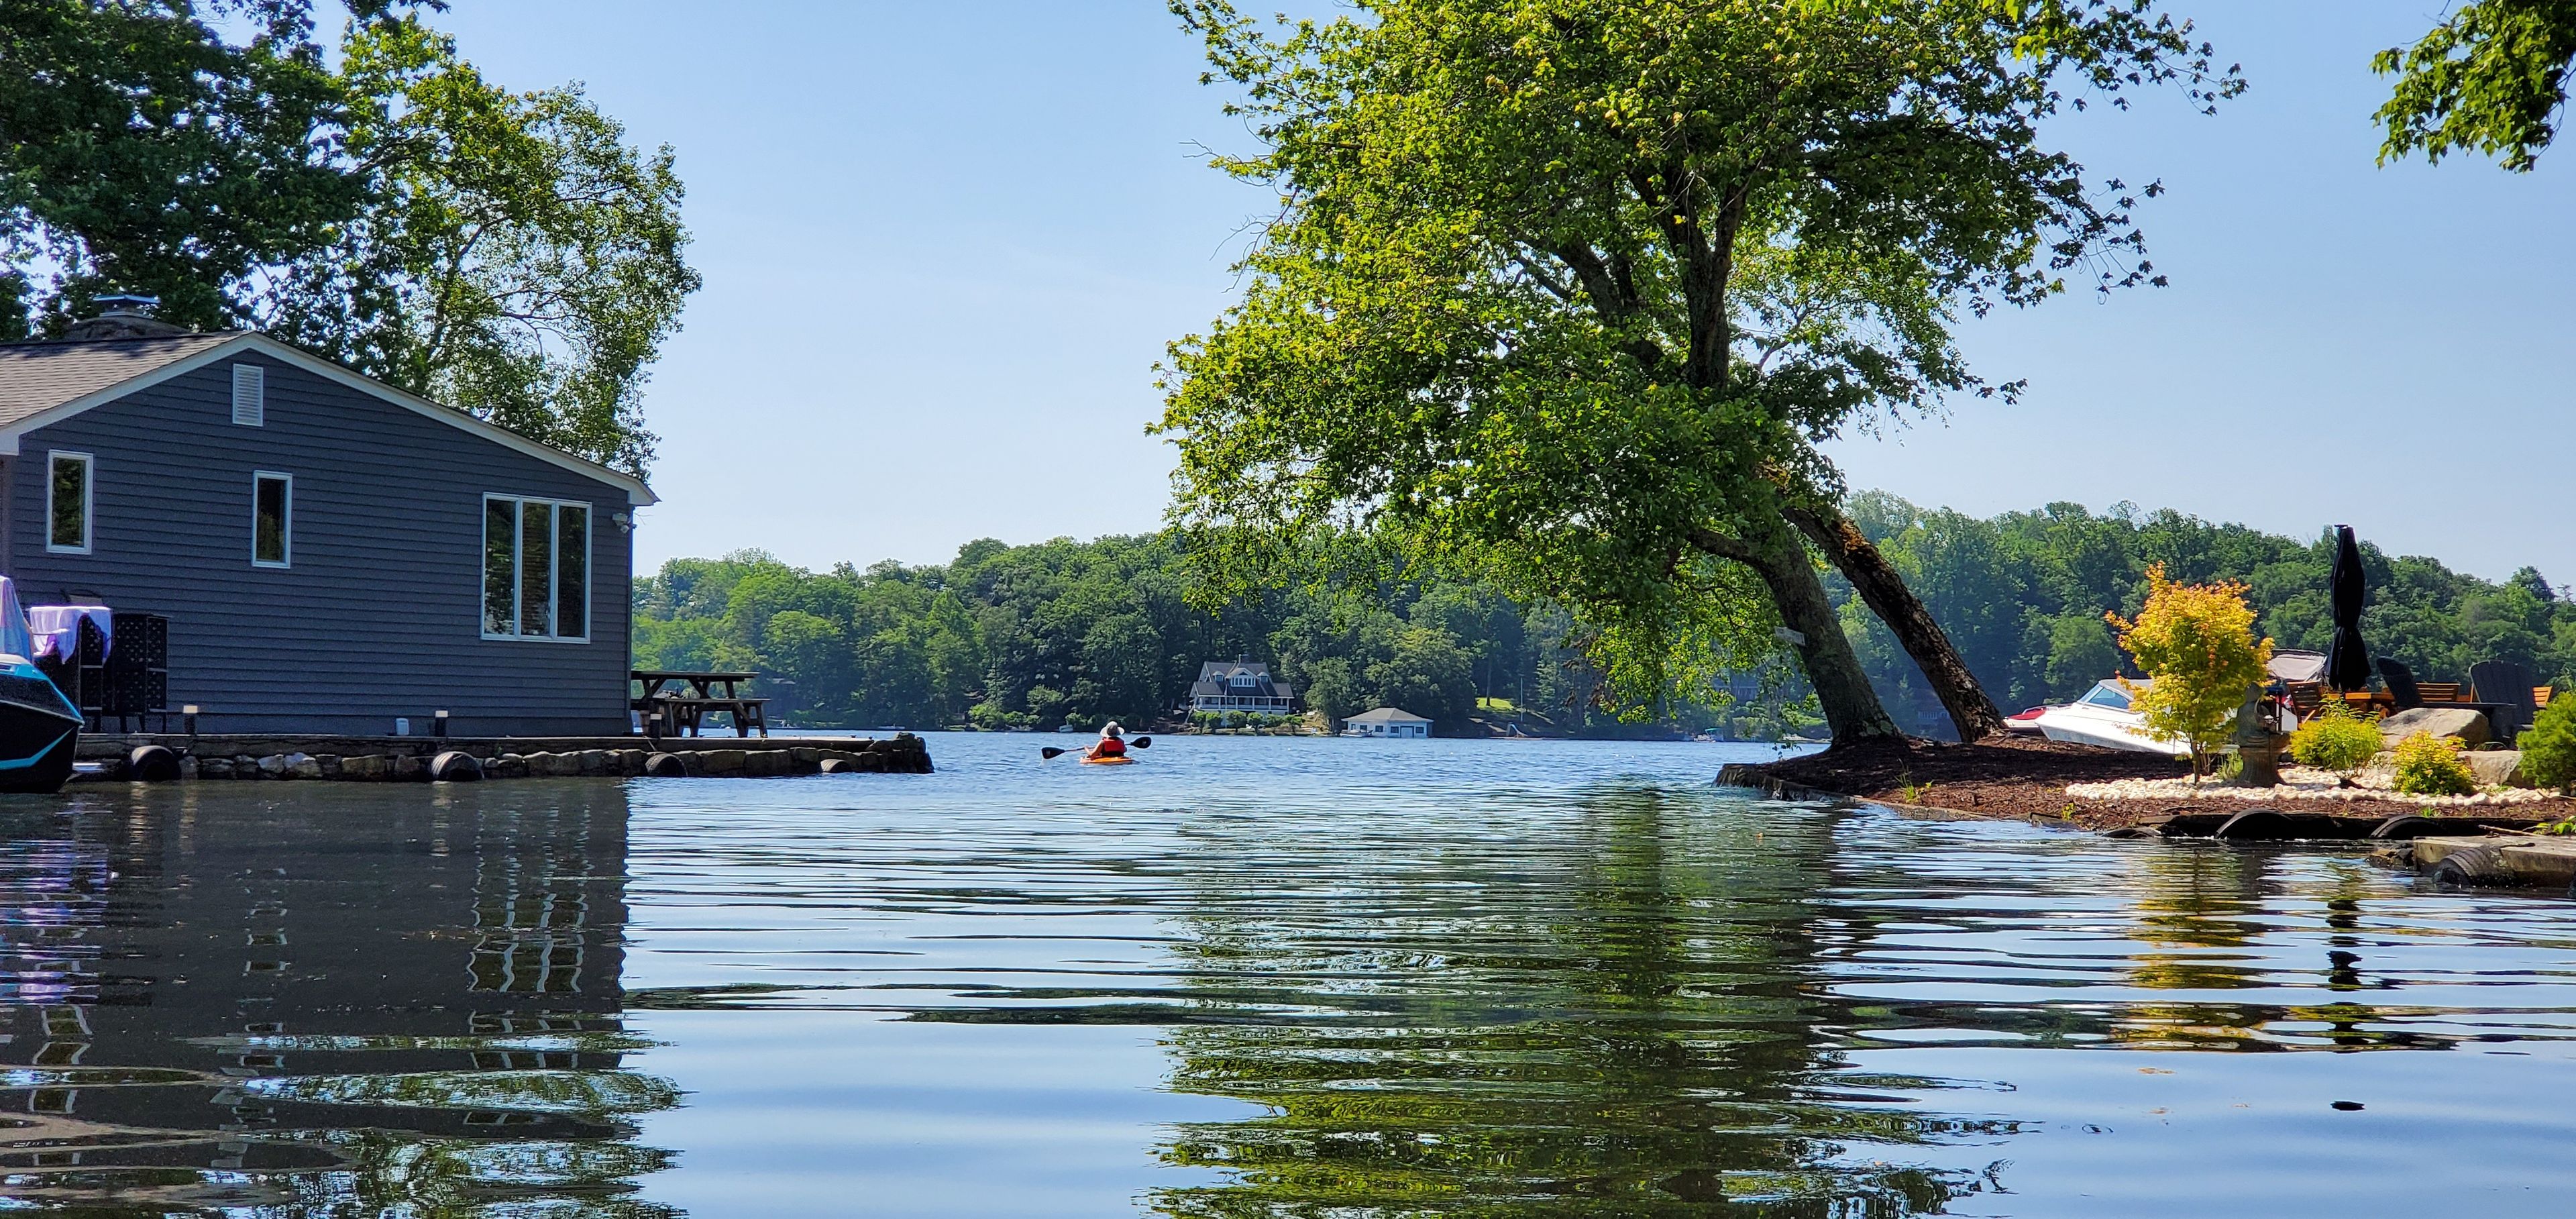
x=536 y=569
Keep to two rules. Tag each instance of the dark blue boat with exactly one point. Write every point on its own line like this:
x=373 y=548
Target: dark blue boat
x=39 y=729
x=39 y=725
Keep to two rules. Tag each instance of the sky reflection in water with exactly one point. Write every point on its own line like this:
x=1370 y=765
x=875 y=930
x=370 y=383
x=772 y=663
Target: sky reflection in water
x=1272 y=977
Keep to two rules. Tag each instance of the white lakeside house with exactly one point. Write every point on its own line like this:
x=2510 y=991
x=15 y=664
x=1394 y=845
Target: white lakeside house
x=1387 y=722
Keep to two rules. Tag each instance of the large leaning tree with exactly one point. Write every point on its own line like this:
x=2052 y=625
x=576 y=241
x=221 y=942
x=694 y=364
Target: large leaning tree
x=1564 y=294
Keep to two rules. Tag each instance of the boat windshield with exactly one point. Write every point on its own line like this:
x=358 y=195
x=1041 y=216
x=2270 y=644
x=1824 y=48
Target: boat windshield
x=14 y=639
x=2107 y=694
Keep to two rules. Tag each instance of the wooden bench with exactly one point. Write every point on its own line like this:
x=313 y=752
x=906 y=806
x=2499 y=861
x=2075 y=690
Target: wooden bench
x=678 y=702
x=680 y=715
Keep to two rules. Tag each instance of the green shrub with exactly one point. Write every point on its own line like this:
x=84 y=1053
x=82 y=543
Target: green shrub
x=2428 y=765
x=2335 y=739
x=2549 y=748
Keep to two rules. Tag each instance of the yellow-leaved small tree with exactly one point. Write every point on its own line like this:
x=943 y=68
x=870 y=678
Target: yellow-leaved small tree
x=2197 y=642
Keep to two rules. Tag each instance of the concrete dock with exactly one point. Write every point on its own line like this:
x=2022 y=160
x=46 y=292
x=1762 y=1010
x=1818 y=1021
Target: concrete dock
x=157 y=757
x=2524 y=861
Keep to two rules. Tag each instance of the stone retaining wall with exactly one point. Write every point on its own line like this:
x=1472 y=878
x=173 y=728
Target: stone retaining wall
x=904 y=754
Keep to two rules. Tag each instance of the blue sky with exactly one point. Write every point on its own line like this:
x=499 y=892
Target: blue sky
x=945 y=243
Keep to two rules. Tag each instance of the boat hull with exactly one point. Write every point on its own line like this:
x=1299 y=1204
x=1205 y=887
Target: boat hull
x=2106 y=730
x=1109 y=761
x=39 y=730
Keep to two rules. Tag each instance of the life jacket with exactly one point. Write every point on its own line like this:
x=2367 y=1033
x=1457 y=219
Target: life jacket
x=1109 y=747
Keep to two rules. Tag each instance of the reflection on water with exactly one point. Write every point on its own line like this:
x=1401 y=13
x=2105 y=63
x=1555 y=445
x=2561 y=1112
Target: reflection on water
x=1617 y=1018
x=330 y=1000
x=1253 y=977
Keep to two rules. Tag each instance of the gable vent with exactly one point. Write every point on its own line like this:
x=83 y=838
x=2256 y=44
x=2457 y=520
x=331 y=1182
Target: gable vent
x=250 y=395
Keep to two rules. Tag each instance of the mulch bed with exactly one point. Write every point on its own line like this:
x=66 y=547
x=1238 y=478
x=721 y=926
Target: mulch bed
x=2020 y=778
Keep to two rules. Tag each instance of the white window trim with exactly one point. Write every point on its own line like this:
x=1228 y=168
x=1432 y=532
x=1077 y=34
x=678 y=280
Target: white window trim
x=89 y=502
x=256 y=478
x=518 y=568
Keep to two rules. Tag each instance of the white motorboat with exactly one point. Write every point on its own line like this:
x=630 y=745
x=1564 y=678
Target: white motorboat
x=2104 y=717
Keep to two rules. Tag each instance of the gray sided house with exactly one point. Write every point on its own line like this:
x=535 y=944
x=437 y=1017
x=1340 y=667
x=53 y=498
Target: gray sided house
x=331 y=552
x=1242 y=684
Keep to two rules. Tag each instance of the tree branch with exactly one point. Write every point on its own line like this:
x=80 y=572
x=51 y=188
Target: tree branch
x=1718 y=545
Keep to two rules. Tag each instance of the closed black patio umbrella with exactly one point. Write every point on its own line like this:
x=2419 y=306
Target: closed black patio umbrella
x=2347 y=661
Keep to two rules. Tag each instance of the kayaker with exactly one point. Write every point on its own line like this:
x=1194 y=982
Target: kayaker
x=1112 y=743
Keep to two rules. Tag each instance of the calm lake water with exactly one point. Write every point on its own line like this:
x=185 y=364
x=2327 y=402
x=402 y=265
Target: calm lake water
x=1247 y=977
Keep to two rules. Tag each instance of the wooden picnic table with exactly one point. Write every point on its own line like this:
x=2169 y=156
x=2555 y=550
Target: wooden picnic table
x=679 y=700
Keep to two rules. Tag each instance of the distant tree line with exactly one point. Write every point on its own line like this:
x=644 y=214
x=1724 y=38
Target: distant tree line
x=1079 y=633
x=1082 y=632
x=2023 y=596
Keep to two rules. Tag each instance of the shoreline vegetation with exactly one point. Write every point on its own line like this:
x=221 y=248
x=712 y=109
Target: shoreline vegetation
x=1079 y=633
x=2020 y=779
x=1031 y=637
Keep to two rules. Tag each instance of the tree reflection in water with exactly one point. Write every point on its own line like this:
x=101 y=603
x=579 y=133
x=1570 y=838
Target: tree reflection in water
x=1626 y=1022
x=320 y=1001
x=2207 y=916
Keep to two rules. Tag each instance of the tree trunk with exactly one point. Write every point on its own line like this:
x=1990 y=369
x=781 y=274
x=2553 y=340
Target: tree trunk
x=1883 y=589
x=1852 y=710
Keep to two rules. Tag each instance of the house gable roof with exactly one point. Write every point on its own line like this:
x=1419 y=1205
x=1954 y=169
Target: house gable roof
x=1387 y=715
x=47 y=382
x=37 y=377
x=1216 y=679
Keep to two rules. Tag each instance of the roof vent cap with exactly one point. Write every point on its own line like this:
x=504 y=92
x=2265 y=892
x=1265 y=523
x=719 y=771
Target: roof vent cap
x=123 y=315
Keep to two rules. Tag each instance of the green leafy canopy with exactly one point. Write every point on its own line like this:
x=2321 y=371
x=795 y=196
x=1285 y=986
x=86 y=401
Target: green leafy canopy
x=2492 y=77
x=516 y=256
x=139 y=151
x=507 y=253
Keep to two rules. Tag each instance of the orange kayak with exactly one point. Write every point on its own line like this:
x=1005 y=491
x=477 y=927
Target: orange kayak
x=1121 y=761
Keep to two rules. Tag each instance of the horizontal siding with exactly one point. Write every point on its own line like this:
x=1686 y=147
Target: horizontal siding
x=380 y=615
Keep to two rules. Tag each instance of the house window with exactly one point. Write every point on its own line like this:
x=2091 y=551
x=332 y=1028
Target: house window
x=67 y=503
x=536 y=569
x=272 y=519
x=250 y=395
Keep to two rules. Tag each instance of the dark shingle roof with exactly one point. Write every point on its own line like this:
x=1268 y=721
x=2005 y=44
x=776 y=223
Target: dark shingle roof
x=37 y=377
x=41 y=376
x=1216 y=678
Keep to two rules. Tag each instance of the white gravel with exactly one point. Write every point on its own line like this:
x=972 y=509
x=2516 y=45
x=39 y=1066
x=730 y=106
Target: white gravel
x=2297 y=783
